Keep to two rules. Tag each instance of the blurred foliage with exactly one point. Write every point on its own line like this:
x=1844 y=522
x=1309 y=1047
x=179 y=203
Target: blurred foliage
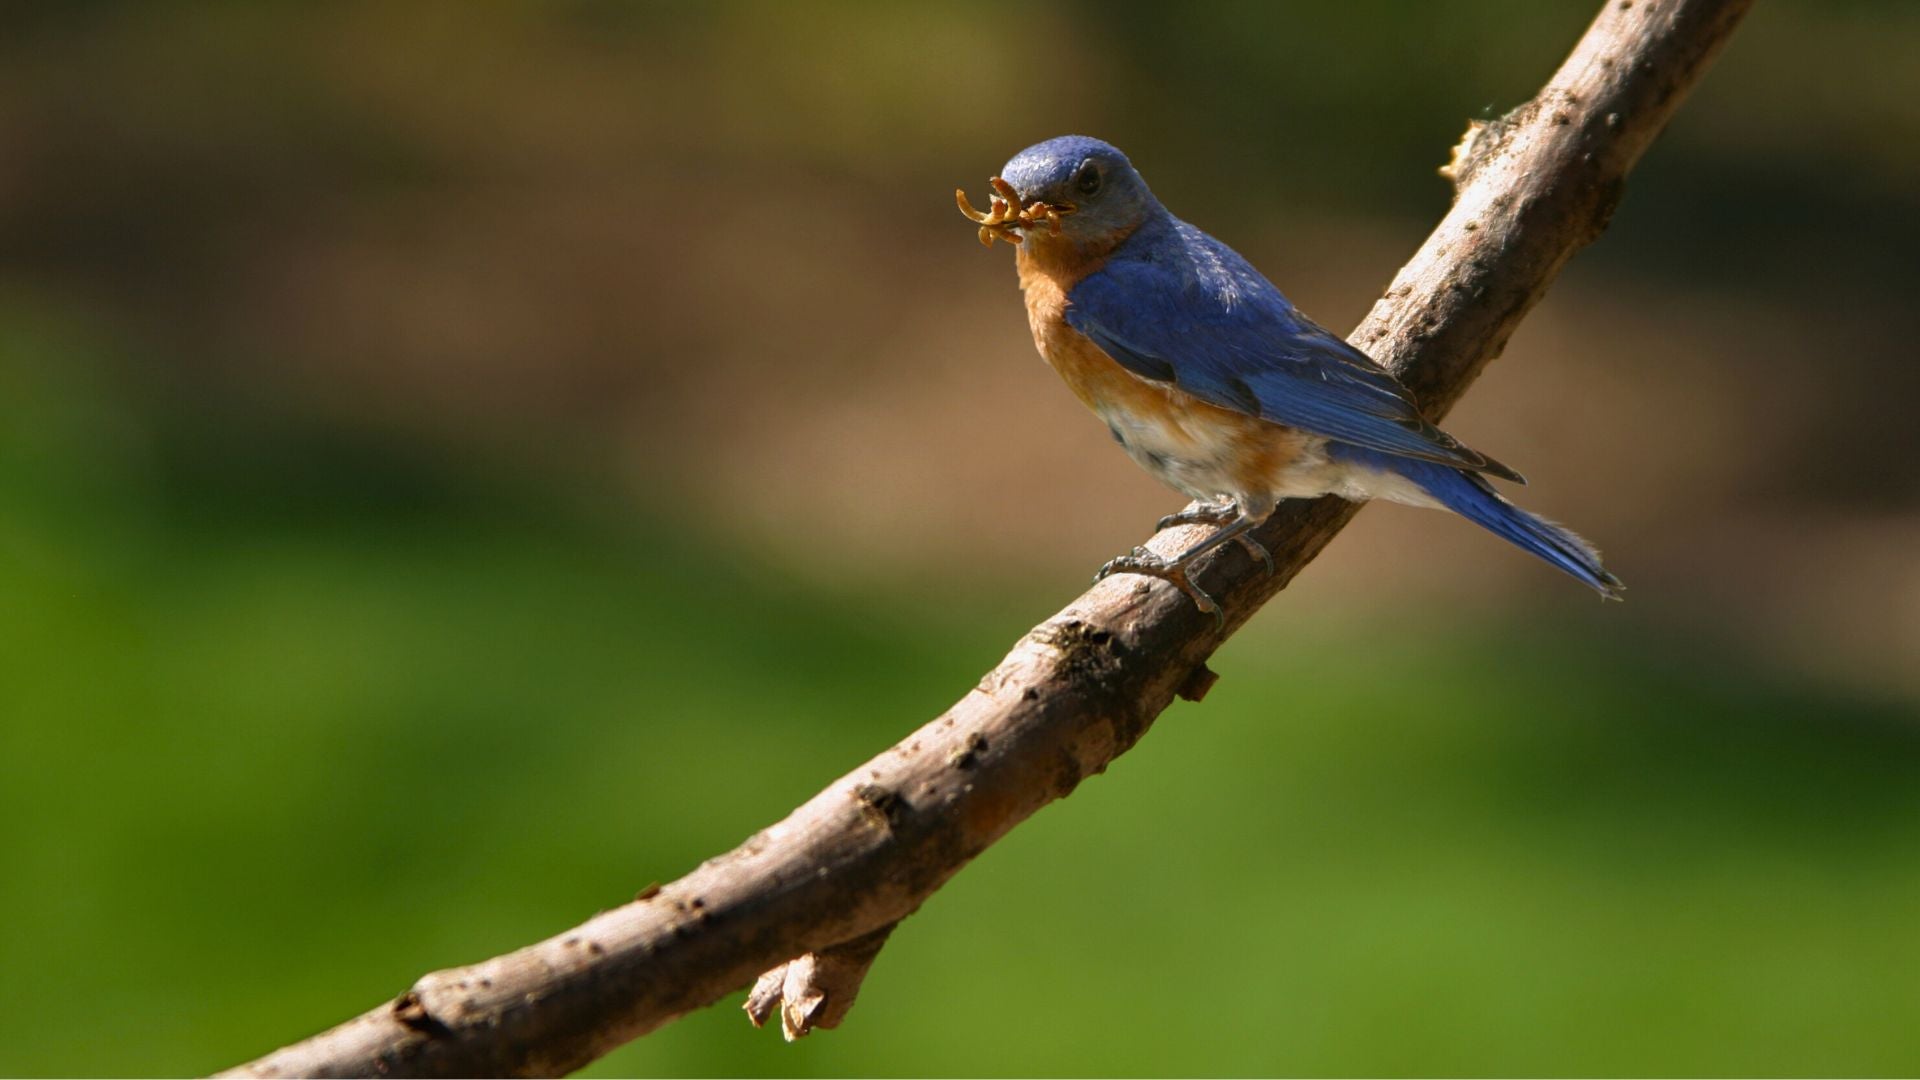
x=386 y=392
x=314 y=724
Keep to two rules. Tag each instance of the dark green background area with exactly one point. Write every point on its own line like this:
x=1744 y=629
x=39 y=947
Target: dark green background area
x=331 y=654
x=283 y=741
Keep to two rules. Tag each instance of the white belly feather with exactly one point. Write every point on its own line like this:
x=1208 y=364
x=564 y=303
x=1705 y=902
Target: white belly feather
x=1206 y=463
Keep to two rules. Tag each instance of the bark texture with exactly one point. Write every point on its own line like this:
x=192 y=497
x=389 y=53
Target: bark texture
x=808 y=900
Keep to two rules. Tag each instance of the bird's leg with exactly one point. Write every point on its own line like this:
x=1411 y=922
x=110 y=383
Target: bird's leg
x=1220 y=513
x=1235 y=530
x=1174 y=570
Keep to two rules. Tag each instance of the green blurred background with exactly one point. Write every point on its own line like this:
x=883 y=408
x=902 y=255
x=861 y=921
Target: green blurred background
x=460 y=463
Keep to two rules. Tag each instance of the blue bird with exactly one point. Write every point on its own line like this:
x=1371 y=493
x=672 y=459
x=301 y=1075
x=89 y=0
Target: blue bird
x=1212 y=381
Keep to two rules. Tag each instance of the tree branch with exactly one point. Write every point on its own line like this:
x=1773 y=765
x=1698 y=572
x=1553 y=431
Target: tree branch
x=825 y=884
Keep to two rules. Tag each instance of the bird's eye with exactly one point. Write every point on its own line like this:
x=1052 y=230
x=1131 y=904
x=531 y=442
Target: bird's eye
x=1087 y=180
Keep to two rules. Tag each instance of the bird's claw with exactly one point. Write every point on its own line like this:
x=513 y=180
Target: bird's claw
x=1003 y=214
x=1147 y=564
x=1258 y=550
x=1115 y=564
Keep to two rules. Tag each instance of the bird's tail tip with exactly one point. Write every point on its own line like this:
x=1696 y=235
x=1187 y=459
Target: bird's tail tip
x=1473 y=498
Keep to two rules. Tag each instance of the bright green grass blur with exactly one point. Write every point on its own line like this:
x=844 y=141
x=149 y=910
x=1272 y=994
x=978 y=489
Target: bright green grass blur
x=286 y=721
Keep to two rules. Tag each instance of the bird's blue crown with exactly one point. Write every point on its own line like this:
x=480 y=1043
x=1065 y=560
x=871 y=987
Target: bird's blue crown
x=1050 y=166
x=1106 y=194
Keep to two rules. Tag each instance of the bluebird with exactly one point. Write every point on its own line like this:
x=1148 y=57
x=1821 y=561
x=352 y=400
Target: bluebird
x=1213 y=382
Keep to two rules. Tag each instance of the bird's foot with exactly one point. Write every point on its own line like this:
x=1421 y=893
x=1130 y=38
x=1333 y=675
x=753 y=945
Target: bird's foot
x=1222 y=514
x=1174 y=571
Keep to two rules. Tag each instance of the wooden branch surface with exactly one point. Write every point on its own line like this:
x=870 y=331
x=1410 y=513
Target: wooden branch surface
x=1080 y=689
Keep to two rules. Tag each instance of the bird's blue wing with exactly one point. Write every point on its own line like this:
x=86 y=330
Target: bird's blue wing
x=1187 y=310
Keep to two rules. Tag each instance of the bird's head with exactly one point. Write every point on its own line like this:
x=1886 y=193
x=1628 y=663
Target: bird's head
x=1072 y=188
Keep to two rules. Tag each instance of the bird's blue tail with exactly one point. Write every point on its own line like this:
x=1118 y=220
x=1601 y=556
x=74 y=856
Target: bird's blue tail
x=1469 y=495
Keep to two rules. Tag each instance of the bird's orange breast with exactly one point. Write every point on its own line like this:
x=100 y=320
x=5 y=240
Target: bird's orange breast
x=1156 y=421
x=1093 y=376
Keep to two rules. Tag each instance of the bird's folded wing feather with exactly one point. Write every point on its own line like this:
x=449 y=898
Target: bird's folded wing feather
x=1208 y=323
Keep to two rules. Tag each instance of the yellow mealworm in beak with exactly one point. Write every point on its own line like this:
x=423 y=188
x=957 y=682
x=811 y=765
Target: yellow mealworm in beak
x=1004 y=213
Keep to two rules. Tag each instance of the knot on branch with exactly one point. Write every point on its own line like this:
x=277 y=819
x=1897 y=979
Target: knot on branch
x=1085 y=649
x=412 y=1012
x=815 y=990
x=1478 y=143
x=882 y=806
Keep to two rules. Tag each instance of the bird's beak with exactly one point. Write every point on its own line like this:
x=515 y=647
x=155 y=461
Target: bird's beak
x=1004 y=218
